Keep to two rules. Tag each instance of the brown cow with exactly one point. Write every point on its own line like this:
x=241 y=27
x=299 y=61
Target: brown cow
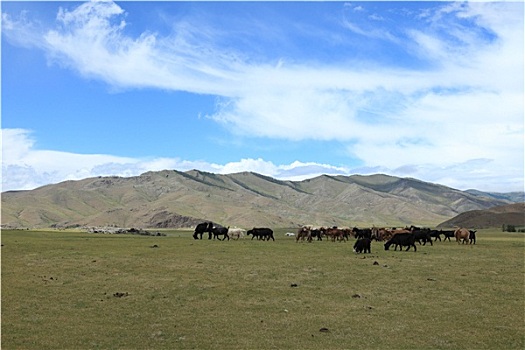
x=335 y=233
x=462 y=235
x=380 y=234
x=304 y=232
x=388 y=234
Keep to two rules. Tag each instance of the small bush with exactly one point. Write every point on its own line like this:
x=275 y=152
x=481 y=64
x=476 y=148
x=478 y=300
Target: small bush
x=508 y=228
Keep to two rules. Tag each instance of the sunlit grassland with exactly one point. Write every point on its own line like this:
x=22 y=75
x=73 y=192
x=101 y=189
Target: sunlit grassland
x=59 y=292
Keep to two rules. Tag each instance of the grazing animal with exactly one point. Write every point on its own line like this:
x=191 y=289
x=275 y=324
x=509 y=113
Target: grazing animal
x=388 y=234
x=448 y=234
x=422 y=235
x=236 y=233
x=380 y=234
x=302 y=233
x=396 y=231
x=362 y=233
x=336 y=233
x=254 y=233
x=436 y=234
x=312 y=232
x=201 y=228
x=290 y=234
x=317 y=233
x=472 y=237
x=262 y=233
x=220 y=231
x=462 y=235
x=362 y=245
x=402 y=239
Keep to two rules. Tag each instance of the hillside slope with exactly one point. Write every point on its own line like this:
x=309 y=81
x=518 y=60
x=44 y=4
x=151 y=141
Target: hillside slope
x=515 y=197
x=181 y=199
x=512 y=214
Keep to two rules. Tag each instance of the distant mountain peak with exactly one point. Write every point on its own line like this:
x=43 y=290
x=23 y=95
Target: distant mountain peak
x=247 y=199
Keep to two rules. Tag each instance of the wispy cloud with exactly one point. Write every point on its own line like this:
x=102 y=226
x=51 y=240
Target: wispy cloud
x=25 y=167
x=464 y=105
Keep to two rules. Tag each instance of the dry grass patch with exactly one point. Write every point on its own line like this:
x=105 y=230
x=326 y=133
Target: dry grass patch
x=76 y=290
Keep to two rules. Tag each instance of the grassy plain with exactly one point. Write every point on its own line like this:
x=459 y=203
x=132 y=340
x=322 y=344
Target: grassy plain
x=73 y=290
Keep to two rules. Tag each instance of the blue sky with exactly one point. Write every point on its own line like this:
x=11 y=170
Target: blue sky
x=430 y=90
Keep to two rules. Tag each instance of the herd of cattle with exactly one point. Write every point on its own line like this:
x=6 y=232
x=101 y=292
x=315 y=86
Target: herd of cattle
x=406 y=237
x=216 y=231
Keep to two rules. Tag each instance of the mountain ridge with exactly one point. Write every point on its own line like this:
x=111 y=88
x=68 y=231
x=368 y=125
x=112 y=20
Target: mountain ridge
x=171 y=198
x=510 y=214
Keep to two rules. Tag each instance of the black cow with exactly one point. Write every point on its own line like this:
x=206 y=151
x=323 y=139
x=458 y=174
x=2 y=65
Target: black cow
x=261 y=233
x=317 y=233
x=436 y=234
x=201 y=228
x=362 y=245
x=402 y=239
x=220 y=231
x=448 y=234
x=362 y=233
x=254 y=233
x=422 y=235
x=472 y=237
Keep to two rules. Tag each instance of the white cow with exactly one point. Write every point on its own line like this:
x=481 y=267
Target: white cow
x=236 y=233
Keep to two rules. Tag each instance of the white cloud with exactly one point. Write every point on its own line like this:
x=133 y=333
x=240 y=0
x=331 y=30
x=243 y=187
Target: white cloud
x=467 y=107
x=33 y=168
x=24 y=167
x=256 y=165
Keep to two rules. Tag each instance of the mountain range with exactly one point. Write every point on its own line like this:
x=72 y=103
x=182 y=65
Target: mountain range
x=178 y=199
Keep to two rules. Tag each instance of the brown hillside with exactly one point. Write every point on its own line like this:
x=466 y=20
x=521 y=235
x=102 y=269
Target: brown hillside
x=181 y=199
x=513 y=214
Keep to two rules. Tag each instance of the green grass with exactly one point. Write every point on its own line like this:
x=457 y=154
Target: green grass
x=58 y=293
